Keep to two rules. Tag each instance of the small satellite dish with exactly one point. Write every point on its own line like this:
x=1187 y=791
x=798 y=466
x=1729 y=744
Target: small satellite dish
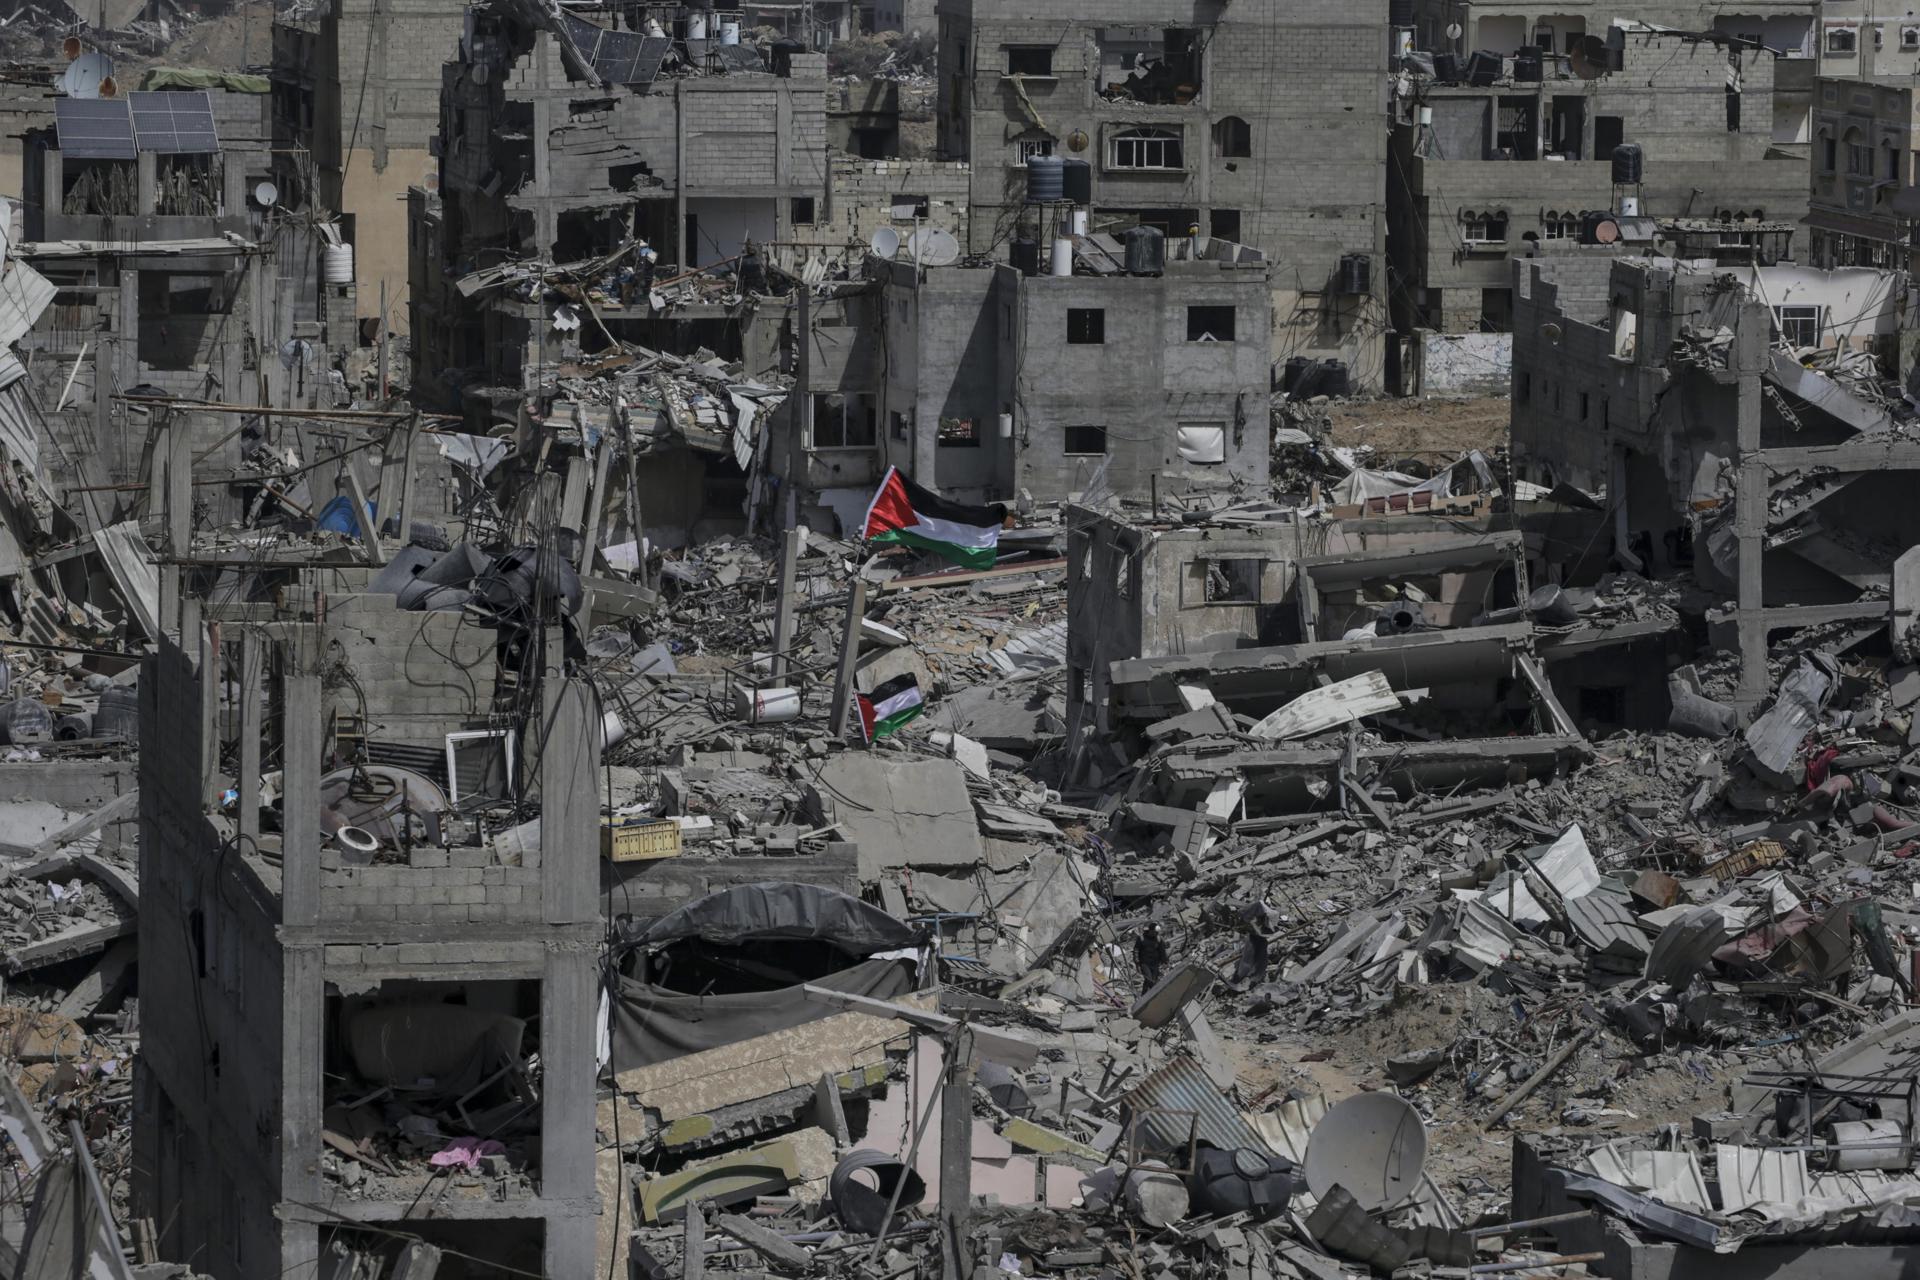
x=71 y=46
x=266 y=195
x=885 y=242
x=88 y=76
x=1589 y=59
x=1454 y=30
x=1374 y=1145
x=932 y=247
x=109 y=87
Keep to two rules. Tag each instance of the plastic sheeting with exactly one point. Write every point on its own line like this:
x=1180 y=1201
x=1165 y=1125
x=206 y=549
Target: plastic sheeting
x=781 y=911
x=1362 y=483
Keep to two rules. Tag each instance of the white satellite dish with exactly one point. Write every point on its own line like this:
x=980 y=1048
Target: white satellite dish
x=935 y=248
x=1374 y=1145
x=266 y=195
x=83 y=76
x=885 y=242
x=1454 y=30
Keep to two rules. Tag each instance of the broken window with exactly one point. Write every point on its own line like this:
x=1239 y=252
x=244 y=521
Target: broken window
x=1878 y=38
x=181 y=317
x=1224 y=224
x=1841 y=40
x=1516 y=133
x=1483 y=228
x=897 y=425
x=1235 y=581
x=188 y=186
x=1159 y=65
x=1086 y=326
x=908 y=208
x=1086 y=442
x=800 y=211
x=1146 y=149
x=843 y=421
x=1799 y=324
x=101 y=188
x=1555 y=225
x=1030 y=60
x=1232 y=137
x=1829 y=153
x=1859 y=154
x=1210 y=324
x=958 y=433
x=1568 y=123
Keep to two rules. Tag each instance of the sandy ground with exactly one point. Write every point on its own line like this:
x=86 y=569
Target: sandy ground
x=1433 y=430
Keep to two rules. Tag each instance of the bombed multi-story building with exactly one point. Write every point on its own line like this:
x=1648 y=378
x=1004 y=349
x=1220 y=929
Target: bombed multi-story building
x=1260 y=126
x=1507 y=155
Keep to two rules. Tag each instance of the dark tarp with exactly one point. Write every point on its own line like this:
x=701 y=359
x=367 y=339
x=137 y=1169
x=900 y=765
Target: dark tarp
x=652 y=1023
x=780 y=911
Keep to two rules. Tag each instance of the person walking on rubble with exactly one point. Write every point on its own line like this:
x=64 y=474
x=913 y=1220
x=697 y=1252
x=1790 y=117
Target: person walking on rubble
x=1150 y=953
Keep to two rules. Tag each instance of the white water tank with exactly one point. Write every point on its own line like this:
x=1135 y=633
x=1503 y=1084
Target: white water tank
x=696 y=26
x=729 y=32
x=1062 y=261
x=336 y=264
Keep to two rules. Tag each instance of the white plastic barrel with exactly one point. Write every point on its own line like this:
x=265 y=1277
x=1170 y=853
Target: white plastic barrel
x=1878 y=1143
x=729 y=33
x=767 y=706
x=336 y=264
x=697 y=26
x=1062 y=256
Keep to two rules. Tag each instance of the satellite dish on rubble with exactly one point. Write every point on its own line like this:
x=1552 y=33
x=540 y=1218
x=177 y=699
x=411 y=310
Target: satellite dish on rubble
x=88 y=76
x=1374 y=1145
x=885 y=243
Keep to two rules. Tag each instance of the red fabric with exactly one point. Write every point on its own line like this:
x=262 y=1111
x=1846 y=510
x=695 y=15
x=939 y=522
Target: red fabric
x=891 y=508
x=1817 y=766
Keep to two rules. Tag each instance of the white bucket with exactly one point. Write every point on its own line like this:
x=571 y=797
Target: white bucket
x=356 y=840
x=767 y=706
x=1062 y=256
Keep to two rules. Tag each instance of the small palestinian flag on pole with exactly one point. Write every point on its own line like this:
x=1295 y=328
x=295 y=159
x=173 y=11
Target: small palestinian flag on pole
x=902 y=512
x=890 y=706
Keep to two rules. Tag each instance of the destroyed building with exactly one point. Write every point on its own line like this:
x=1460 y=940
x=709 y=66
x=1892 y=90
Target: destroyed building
x=356 y=122
x=624 y=160
x=1864 y=140
x=1514 y=157
x=1259 y=127
x=1753 y=445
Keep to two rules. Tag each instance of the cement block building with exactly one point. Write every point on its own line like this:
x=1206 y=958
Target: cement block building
x=1865 y=136
x=356 y=114
x=1484 y=174
x=1257 y=125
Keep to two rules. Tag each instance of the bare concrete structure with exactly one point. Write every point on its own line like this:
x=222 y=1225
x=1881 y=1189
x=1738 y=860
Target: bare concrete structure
x=1483 y=174
x=1673 y=389
x=274 y=948
x=1864 y=139
x=1259 y=126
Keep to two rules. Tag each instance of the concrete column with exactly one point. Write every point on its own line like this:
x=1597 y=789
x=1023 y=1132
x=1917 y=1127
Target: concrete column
x=569 y=1004
x=302 y=1047
x=1749 y=356
x=300 y=798
x=569 y=798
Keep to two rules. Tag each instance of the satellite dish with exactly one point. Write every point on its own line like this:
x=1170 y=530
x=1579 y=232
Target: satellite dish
x=88 y=76
x=1374 y=1145
x=1589 y=59
x=1454 y=30
x=932 y=247
x=71 y=46
x=265 y=195
x=885 y=242
x=109 y=87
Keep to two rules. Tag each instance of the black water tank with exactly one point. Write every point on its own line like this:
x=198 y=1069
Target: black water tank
x=1356 y=274
x=1024 y=253
x=1446 y=68
x=1528 y=65
x=1292 y=371
x=1076 y=181
x=1246 y=1181
x=1146 y=252
x=1626 y=165
x=1483 y=68
x=783 y=51
x=1399 y=13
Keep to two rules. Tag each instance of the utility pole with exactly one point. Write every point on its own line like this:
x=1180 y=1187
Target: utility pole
x=849 y=656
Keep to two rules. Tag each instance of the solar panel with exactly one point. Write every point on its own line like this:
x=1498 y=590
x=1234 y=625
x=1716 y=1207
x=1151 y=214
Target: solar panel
x=171 y=122
x=738 y=57
x=94 y=128
x=585 y=36
x=630 y=58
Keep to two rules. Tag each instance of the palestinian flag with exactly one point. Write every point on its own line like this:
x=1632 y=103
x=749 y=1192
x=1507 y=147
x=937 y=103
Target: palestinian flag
x=890 y=706
x=904 y=513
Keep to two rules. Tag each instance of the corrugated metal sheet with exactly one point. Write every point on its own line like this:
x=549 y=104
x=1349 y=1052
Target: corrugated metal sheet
x=1671 y=1177
x=1182 y=1086
x=1605 y=922
x=1752 y=1177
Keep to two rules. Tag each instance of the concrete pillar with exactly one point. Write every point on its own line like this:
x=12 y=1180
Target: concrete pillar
x=1750 y=343
x=569 y=1004
x=303 y=1031
x=300 y=799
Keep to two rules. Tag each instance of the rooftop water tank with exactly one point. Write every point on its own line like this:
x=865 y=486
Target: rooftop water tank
x=1146 y=252
x=1046 y=179
x=1626 y=165
x=1076 y=181
x=336 y=264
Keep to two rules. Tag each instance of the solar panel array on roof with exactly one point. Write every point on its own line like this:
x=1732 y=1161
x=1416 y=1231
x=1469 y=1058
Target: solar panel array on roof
x=626 y=57
x=585 y=36
x=739 y=57
x=172 y=122
x=94 y=128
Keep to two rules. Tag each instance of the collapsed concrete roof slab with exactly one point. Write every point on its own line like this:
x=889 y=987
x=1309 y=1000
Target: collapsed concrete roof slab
x=902 y=813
